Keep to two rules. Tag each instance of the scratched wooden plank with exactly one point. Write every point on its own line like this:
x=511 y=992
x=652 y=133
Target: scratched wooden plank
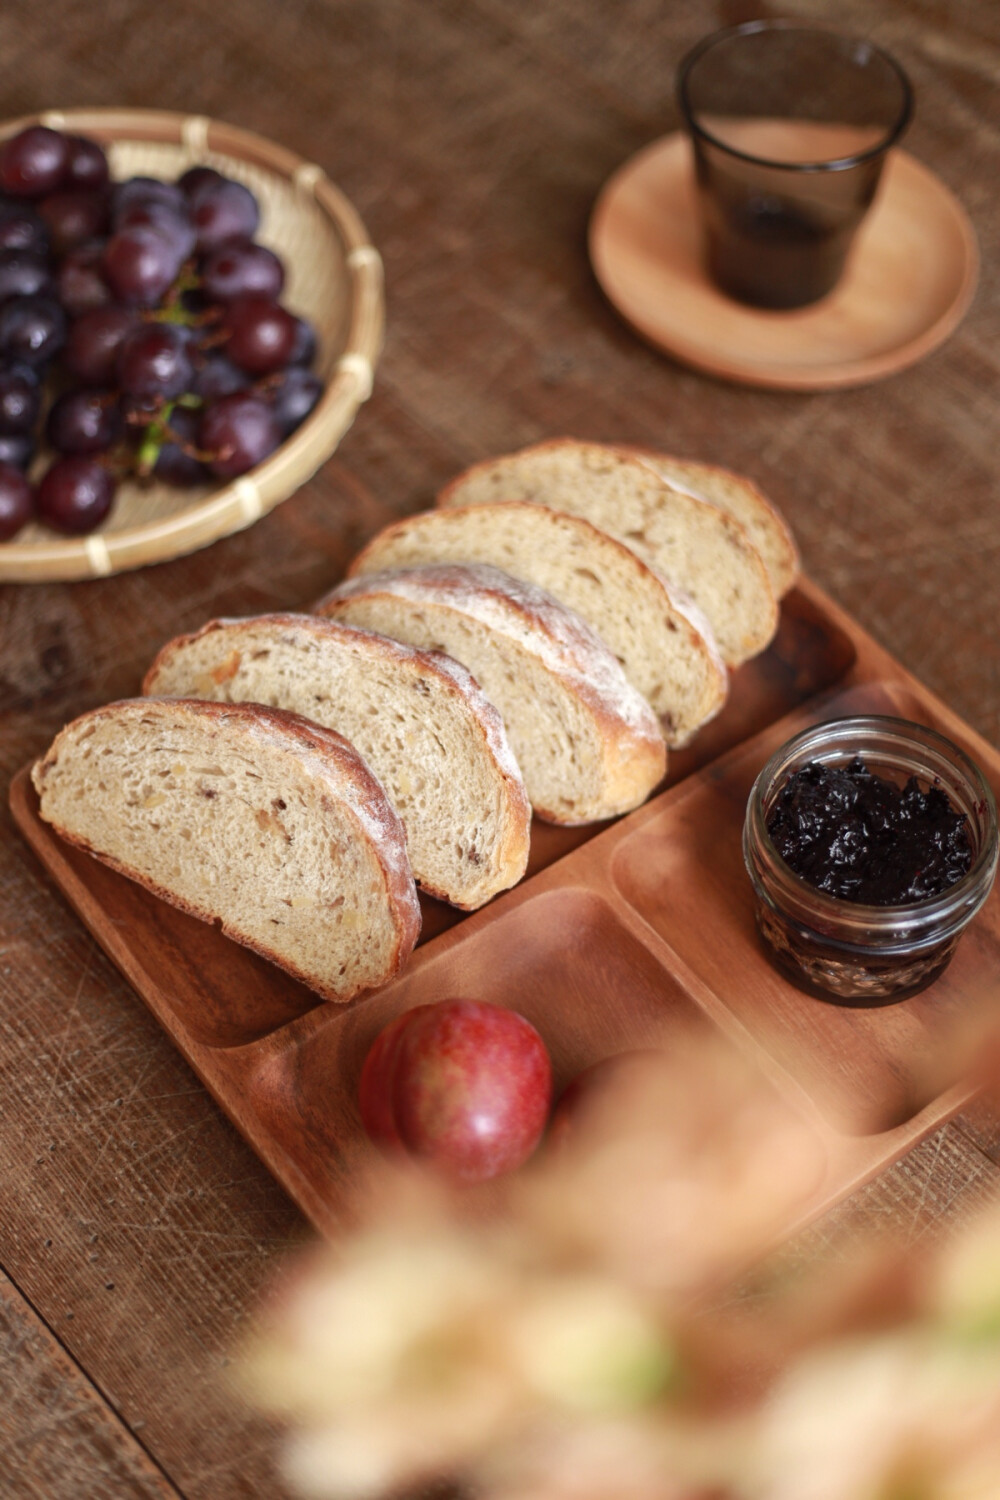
x=58 y=1435
x=473 y=136
x=940 y=1185
x=918 y=1207
x=980 y=1123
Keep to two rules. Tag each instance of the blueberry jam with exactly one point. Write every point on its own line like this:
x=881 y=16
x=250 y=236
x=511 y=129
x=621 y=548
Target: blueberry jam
x=860 y=837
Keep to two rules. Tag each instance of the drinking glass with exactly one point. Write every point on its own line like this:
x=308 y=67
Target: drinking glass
x=790 y=126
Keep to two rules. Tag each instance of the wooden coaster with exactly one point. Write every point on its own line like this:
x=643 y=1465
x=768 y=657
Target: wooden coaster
x=908 y=283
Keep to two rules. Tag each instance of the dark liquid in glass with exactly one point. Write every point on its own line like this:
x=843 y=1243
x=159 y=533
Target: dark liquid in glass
x=776 y=236
x=771 y=256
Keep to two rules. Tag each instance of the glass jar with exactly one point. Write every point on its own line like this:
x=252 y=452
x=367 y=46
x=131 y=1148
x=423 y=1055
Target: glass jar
x=843 y=950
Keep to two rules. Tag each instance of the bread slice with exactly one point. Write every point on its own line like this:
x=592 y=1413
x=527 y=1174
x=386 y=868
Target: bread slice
x=587 y=743
x=245 y=816
x=695 y=546
x=740 y=497
x=419 y=719
x=664 y=654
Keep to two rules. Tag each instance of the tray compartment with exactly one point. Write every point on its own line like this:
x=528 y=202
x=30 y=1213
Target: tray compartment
x=563 y=959
x=867 y=1071
x=198 y=981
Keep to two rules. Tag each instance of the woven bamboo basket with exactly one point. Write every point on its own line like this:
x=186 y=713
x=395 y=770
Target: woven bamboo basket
x=334 y=278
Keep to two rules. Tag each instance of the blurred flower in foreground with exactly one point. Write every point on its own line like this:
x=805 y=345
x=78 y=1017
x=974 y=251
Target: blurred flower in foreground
x=905 y=1417
x=573 y=1333
x=674 y=1170
x=412 y=1350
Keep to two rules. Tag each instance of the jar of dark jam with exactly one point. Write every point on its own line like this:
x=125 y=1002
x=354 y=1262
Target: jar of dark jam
x=845 y=950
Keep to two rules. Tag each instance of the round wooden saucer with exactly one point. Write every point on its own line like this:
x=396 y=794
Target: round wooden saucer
x=908 y=283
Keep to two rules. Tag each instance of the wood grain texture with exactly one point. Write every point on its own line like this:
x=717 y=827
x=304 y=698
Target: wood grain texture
x=473 y=136
x=942 y=1181
x=60 y=1429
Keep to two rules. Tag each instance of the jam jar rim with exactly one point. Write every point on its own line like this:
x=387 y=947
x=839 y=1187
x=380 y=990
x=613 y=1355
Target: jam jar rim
x=954 y=897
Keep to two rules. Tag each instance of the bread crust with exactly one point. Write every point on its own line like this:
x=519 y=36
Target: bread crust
x=728 y=527
x=634 y=754
x=450 y=677
x=683 y=617
x=327 y=755
x=788 y=565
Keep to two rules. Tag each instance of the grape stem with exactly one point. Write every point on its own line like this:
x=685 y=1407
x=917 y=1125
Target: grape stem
x=171 y=309
x=159 y=431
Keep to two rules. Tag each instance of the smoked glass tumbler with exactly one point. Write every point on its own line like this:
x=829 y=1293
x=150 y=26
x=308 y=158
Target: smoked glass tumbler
x=790 y=126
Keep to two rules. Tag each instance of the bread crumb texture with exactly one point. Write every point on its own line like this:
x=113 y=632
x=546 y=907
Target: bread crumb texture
x=420 y=721
x=697 y=546
x=247 y=817
x=667 y=654
x=587 y=743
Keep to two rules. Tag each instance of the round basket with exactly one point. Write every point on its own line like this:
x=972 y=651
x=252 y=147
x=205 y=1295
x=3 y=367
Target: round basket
x=334 y=278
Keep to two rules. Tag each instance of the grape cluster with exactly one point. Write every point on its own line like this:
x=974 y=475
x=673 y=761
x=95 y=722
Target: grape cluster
x=141 y=332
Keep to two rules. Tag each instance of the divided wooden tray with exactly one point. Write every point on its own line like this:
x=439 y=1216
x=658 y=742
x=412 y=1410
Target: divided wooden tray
x=621 y=936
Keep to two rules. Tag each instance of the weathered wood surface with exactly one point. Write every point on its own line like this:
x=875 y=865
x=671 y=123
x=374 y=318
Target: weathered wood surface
x=57 y=1431
x=472 y=135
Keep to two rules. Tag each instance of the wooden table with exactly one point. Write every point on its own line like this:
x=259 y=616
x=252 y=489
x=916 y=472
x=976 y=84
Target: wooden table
x=136 y=1227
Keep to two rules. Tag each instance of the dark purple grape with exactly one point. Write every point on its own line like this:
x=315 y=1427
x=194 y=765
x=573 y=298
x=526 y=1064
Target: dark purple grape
x=16 y=503
x=144 y=190
x=80 y=283
x=174 y=224
x=261 y=335
x=217 y=377
x=198 y=177
x=25 y=372
x=92 y=344
x=240 y=431
x=241 y=271
x=222 y=211
x=140 y=265
x=20 y=402
x=154 y=362
x=23 y=275
x=306 y=344
x=87 y=166
x=174 y=465
x=74 y=216
x=17 y=448
x=75 y=495
x=33 y=162
x=293 y=396
x=83 y=422
x=21 y=228
x=32 y=329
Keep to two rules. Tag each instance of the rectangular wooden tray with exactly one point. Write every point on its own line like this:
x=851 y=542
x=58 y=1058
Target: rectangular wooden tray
x=621 y=936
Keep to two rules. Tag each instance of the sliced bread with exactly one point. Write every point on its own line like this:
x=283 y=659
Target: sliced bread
x=419 y=719
x=587 y=743
x=665 y=655
x=695 y=546
x=249 y=817
x=732 y=492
